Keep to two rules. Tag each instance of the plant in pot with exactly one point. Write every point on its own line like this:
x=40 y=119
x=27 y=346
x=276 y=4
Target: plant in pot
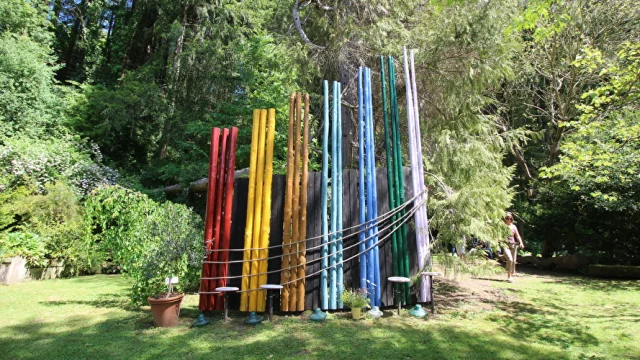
x=356 y=299
x=175 y=249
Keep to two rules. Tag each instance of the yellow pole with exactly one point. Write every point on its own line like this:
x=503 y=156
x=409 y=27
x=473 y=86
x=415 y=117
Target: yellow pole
x=296 y=205
x=255 y=268
x=285 y=275
x=266 y=205
x=302 y=256
x=248 y=234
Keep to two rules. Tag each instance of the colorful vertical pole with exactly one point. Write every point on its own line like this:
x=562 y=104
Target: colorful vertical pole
x=324 y=297
x=390 y=176
x=333 y=301
x=416 y=176
x=361 y=183
x=399 y=178
x=295 y=215
x=218 y=215
x=258 y=211
x=285 y=275
x=248 y=235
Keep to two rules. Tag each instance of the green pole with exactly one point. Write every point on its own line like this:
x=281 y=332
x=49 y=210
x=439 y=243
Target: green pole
x=390 y=175
x=399 y=178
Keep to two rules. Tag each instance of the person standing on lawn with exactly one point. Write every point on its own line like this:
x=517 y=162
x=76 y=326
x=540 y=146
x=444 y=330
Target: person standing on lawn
x=511 y=248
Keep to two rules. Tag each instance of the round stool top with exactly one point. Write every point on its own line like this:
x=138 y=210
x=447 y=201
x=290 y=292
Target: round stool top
x=427 y=273
x=271 y=287
x=399 y=279
x=227 y=289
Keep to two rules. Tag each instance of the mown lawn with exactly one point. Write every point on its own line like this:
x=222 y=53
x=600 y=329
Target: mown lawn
x=541 y=316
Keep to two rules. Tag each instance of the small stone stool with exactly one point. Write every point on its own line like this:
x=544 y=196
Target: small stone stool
x=225 y=293
x=269 y=288
x=399 y=280
x=431 y=275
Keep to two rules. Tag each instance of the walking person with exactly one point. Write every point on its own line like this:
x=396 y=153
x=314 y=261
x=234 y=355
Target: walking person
x=511 y=248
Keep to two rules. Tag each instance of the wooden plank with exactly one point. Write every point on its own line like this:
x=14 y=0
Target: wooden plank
x=386 y=258
x=276 y=231
x=238 y=223
x=411 y=228
x=312 y=292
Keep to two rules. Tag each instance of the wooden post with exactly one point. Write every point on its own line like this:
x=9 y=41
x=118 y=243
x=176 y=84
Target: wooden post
x=206 y=302
x=218 y=204
x=225 y=236
x=302 y=257
x=285 y=275
x=248 y=237
x=266 y=204
x=255 y=267
x=293 y=294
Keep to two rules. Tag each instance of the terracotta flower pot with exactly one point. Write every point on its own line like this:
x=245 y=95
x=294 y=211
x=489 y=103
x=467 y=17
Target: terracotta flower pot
x=165 y=311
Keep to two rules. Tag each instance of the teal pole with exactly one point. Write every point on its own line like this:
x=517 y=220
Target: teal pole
x=338 y=165
x=399 y=177
x=324 y=302
x=334 y=203
x=390 y=176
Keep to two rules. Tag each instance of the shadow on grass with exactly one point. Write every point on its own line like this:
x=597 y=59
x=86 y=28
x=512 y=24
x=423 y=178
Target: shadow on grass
x=544 y=323
x=402 y=338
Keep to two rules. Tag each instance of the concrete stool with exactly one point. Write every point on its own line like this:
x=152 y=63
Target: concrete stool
x=399 y=280
x=225 y=293
x=431 y=275
x=269 y=288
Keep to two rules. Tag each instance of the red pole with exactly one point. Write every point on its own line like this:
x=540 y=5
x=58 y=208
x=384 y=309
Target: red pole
x=218 y=209
x=225 y=237
x=205 y=299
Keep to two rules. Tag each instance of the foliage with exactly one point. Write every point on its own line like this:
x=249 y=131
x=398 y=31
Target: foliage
x=473 y=263
x=150 y=241
x=28 y=162
x=355 y=298
x=25 y=244
x=601 y=155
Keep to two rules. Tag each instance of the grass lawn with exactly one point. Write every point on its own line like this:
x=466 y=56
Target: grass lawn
x=542 y=316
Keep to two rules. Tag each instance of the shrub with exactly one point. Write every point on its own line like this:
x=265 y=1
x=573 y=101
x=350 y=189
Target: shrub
x=25 y=244
x=355 y=298
x=150 y=241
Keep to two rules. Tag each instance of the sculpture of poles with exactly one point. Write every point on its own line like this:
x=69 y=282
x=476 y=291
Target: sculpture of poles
x=295 y=213
x=417 y=174
x=258 y=211
x=394 y=177
x=403 y=250
x=367 y=151
x=331 y=280
x=222 y=158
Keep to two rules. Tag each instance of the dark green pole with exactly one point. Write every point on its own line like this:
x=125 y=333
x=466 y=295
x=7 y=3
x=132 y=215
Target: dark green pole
x=399 y=177
x=390 y=177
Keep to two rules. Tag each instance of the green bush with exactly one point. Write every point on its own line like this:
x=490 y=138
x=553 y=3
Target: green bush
x=150 y=241
x=25 y=244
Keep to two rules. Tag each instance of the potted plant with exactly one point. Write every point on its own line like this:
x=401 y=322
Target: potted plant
x=355 y=299
x=176 y=246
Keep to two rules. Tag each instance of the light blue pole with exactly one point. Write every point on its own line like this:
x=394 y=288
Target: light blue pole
x=361 y=183
x=338 y=164
x=334 y=199
x=371 y=264
x=374 y=195
x=324 y=301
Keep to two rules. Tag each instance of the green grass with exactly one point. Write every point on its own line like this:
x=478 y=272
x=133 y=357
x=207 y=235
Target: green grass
x=544 y=317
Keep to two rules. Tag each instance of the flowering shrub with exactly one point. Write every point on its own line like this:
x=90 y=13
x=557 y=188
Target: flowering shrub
x=36 y=163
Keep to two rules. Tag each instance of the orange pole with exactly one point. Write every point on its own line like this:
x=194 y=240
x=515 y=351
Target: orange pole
x=285 y=275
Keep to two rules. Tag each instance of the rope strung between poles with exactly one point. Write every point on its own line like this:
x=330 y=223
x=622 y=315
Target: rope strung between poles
x=295 y=252
x=381 y=240
x=402 y=220
x=370 y=224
